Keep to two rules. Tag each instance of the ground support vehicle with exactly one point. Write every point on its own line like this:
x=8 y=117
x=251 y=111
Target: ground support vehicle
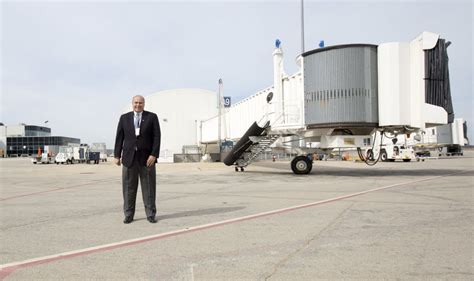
x=391 y=153
x=94 y=157
x=65 y=155
x=103 y=157
x=44 y=158
x=80 y=153
x=101 y=148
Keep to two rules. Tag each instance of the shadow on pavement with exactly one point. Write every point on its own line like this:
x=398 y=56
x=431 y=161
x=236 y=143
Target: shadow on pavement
x=201 y=212
x=361 y=172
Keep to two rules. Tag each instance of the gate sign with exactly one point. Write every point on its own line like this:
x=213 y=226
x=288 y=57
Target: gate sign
x=227 y=102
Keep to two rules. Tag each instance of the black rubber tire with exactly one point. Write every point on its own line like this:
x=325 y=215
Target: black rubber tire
x=406 y=160
x=370 y=155
x=383 y=155
x=301 y=165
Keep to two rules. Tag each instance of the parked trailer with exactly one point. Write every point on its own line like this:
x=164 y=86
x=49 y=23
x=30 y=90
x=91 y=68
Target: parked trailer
x=445 y=140
x=94 y=157
x=450 y=150
x=80 y=153
x=452 y=138
x=102 y=149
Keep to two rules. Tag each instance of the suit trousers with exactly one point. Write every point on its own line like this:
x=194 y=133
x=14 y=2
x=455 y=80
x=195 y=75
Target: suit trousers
x=130 y=176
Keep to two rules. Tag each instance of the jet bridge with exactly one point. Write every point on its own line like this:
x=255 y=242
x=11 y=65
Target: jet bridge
x=352 y=90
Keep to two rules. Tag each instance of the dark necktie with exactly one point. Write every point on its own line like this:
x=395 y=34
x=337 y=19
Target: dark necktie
x=137 y=120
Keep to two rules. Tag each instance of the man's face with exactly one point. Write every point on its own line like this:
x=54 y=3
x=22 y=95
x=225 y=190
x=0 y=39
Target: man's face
x=138 y=104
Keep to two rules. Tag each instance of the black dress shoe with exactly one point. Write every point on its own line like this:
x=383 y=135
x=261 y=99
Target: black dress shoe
x=152 y=219
x=128 y=220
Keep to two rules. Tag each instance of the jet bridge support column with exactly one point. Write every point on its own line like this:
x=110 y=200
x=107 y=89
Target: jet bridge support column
x=277 y=102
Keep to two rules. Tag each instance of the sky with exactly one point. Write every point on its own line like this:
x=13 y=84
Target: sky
x=76 y=64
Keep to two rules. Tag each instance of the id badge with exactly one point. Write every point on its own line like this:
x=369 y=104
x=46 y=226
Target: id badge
x=137 y=132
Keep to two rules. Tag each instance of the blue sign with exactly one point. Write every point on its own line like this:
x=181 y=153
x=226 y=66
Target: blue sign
x=321 y=44
x=227 y=102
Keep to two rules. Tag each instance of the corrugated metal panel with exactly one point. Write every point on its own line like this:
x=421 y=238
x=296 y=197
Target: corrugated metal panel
x=340 y=86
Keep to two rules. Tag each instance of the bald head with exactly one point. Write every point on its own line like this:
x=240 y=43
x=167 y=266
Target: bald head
x=138 y=103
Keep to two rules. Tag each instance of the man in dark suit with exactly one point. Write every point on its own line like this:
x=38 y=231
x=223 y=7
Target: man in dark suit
x=137 y=147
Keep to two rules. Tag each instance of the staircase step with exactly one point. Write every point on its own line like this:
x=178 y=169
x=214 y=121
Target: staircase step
x=258 y=147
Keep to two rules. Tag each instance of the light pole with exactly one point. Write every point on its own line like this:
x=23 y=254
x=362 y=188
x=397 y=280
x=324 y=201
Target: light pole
x=196 y=132
x=46 y=122
x=302 y=26
x=6 y=141
x=50 y=139
x=219 y=106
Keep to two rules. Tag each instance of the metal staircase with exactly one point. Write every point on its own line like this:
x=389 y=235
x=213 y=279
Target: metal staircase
x=259 y=145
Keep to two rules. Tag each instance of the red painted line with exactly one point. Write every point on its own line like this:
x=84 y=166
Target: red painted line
x=7 y=269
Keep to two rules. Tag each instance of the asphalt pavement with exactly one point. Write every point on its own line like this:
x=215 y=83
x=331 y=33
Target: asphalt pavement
x=345 y=220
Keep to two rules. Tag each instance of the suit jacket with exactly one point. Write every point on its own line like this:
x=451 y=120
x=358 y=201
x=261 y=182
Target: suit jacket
x=128 y=146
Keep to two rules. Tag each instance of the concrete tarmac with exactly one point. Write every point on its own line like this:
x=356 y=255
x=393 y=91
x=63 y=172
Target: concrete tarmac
x=345 y=220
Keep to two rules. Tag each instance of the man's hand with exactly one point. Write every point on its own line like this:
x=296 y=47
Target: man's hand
x=151 y=160
x=117 y=161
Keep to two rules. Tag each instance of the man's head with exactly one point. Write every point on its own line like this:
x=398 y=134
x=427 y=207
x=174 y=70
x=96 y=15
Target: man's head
x=138 y=103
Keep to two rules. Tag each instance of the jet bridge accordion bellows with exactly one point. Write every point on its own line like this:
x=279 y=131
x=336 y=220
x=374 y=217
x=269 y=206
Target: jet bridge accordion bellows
x=437 y=88
x=340 y=86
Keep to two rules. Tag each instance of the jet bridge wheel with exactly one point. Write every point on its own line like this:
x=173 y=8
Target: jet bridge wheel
x=237 y=169
x=301 y=165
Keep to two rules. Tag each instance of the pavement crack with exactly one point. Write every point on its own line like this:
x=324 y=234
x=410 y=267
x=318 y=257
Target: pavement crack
x=283 y=261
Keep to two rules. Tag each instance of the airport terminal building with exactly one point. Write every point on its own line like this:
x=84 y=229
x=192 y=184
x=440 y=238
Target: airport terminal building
x=25 y=140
